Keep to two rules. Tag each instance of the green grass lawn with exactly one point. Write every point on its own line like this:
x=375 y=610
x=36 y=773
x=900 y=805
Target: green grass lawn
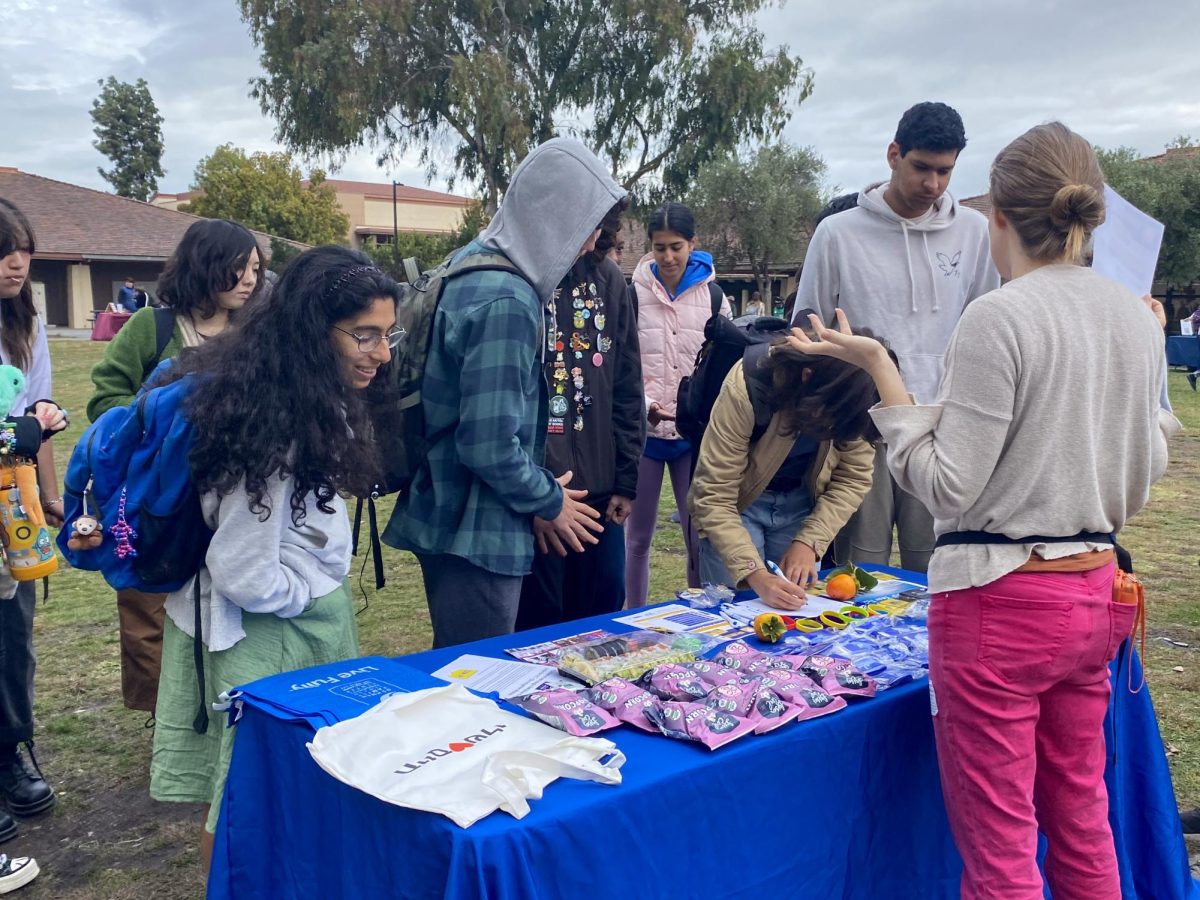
x=106 y=839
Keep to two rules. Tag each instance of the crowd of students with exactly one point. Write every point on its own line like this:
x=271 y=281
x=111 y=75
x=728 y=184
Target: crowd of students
x=549 y=405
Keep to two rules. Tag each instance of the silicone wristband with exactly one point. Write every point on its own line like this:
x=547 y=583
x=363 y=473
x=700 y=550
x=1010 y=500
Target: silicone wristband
x=834 y=619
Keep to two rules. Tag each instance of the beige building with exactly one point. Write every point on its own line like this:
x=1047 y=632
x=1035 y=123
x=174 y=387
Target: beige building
x=369 y=207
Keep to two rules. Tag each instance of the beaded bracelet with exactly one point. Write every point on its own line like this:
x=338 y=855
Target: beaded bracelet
x=8 y=439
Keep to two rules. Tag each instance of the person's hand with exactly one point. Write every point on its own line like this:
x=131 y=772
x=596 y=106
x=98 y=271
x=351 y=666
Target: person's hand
x=51 y=416
x=657 y=415
x=776 y=591
x=618 y=510
x=799 y=564
x=53 y=511
x=840 y=343
x=575 y=525
x=1157 y=308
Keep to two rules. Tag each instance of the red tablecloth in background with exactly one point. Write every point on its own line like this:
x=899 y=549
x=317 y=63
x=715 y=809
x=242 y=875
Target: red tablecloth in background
x=107 y=325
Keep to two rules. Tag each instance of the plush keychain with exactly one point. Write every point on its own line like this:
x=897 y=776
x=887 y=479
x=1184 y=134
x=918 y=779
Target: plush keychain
x=86 y=531
x=27 y=545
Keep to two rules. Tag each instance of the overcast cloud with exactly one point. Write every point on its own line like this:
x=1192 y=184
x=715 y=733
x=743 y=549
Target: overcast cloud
x=1105 y=67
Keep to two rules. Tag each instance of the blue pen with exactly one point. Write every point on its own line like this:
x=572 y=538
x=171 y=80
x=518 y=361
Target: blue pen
x=774 y=569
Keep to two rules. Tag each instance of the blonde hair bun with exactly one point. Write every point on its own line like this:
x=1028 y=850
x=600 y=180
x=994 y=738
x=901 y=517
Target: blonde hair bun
x=1077 y=204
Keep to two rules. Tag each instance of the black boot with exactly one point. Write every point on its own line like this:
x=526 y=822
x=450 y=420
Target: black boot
x=22 y=784
x=1190 y=820
x=8 y=828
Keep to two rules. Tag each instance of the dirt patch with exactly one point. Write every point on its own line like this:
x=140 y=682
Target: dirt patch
x=96 y=842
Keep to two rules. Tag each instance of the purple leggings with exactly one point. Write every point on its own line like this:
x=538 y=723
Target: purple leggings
x=639 y=529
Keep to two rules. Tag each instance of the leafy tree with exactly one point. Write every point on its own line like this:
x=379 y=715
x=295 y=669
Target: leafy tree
x=266 y=191
x=657 y=87
x=129 y=132
x=1166 y=187
x=428 y=249
x=761 y=208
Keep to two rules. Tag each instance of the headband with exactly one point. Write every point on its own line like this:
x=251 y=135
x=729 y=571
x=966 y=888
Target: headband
x=349 y=275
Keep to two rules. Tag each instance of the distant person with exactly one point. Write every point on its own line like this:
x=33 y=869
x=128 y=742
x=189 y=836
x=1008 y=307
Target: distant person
x=755 y=306
x=127 y=297
x=482 y=496
x=905 y=261
x=141 y=299
x=674 y=302
x=1023 y=624
x=210 y=276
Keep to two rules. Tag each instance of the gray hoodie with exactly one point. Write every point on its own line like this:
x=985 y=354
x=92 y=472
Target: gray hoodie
x=908 y=280
x=556 y=198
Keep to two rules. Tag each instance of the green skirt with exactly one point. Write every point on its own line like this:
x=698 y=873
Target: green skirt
x=190 y=768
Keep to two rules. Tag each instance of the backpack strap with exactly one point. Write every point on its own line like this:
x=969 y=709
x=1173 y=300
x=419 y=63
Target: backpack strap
x=412 y=270
x=200 y=723
x=758 y=386
x=164 y=330
x=715 y=297
x=633 y=300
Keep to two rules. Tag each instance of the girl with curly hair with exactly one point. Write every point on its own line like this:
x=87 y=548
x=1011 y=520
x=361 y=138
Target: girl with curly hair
x=282 y=433
x=212 y=274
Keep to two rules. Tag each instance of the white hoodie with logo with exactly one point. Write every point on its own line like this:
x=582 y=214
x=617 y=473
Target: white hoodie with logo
x=908 y=280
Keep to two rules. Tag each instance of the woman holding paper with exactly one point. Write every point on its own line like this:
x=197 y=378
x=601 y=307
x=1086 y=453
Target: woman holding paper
x=1033 y=456
x=782 y=496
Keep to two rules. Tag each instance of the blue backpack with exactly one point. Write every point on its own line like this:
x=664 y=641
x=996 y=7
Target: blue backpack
x=130 y=472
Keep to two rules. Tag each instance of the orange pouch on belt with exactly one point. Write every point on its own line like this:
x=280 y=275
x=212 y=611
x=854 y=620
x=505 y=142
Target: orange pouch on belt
x=1127 y=589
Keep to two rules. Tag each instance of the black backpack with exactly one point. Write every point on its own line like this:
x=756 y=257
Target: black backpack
x=725 y=345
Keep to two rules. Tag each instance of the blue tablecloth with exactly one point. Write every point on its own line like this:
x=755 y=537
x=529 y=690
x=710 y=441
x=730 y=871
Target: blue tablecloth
x=1183 y=350
x=848 y=806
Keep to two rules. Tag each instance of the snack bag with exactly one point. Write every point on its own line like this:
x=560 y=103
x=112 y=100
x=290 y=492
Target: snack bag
x=675 y=682
x=567 y=711
x=625 y=701
x=800 y=691
x=749 y=699
x=697 y=722
x=738 y=655
x=838 y=676
x=712 y=672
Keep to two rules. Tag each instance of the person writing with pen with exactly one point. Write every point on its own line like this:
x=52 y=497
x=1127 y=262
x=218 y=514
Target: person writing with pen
x=780 y=498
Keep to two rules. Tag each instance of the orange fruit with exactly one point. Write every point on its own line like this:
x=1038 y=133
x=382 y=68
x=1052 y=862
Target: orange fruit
x=841 y=587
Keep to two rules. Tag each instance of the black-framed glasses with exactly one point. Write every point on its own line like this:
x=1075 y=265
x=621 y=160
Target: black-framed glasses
x=368 y=342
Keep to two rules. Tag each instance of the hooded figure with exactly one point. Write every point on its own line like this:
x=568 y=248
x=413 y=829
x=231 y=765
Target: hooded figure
x=468 y=515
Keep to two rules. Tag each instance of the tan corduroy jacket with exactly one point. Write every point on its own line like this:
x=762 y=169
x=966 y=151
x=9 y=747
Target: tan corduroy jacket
x=731 y=474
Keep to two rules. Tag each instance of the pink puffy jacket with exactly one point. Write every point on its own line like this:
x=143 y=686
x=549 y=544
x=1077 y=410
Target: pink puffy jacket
x=670 y=333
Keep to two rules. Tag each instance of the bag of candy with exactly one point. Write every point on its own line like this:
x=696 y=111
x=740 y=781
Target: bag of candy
x=696 y=722
x=625 y=701
x=567 y=711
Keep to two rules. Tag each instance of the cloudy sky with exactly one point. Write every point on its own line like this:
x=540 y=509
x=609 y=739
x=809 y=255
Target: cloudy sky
x=1105 y=67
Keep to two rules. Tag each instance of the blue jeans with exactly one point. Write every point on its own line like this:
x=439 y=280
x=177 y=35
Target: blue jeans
x=772 y=522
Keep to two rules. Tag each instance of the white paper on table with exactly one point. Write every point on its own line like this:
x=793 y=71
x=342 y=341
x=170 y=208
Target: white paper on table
x=674 y=617
x=505 y=677
x=814 y=607
x=1125 y=248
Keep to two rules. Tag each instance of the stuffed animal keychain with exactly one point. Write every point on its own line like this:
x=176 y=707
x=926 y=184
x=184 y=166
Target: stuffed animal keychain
x=86 y=531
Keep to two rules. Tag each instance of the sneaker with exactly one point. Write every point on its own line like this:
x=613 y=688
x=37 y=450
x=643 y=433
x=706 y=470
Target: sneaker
x=1191 y=377
x=23 y=785
x=16 y=872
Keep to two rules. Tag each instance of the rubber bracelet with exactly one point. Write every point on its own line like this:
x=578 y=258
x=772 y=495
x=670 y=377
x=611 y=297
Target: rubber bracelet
x=855 y=612
x=834 y=619
x=807 y=625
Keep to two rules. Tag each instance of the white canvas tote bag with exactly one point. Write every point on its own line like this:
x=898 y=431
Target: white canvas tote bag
x=449 y=751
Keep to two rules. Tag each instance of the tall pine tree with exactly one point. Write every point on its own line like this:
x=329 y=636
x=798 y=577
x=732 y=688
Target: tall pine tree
x=129 y=132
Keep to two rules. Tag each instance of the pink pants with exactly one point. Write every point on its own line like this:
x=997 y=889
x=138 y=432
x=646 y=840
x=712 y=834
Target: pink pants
x=1019 y=687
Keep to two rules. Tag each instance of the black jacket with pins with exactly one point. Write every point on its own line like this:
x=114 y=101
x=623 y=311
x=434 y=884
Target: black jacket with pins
x=604 y=456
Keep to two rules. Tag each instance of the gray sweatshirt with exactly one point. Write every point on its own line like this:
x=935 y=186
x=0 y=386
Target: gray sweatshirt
x=906 y=279
x=1047 y=422
x=262 y=567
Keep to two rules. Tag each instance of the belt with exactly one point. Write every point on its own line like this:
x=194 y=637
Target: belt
x=988 y=537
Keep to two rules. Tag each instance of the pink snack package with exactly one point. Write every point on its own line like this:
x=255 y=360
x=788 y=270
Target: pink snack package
x=766 y=662
x=697 y=722
x=568 y=711
x=625 y=701
x=712 y=672
x=675 y=682
x=800 y=691
x=838 y=676
x=750 y=700
x=738 y=655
